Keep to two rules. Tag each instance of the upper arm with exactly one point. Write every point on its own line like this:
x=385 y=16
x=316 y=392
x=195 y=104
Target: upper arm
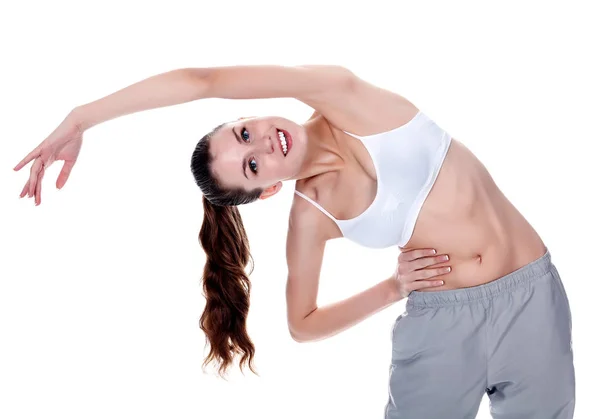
x=304 y=250
x=305 y=82
x=343 y=98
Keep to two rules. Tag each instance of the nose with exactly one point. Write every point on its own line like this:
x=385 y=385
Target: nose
x=265 y=145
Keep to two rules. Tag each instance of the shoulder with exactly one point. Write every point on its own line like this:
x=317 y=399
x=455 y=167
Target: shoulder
x=361 y=107
x=305 y=236
x=306 y=220
x=308 y=227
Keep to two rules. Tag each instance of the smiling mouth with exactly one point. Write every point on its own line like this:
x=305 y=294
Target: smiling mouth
x=285 y=141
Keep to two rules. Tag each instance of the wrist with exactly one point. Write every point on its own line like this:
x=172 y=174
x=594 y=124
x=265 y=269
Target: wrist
x=77 y=117
x=393 y=290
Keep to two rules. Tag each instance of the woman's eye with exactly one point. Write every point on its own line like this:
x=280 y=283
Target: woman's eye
x=245 y=134
x=252 y=165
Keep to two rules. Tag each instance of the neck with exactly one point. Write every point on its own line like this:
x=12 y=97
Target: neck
x=324 y=153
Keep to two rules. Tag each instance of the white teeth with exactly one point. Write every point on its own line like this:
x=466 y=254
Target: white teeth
x=283 y=142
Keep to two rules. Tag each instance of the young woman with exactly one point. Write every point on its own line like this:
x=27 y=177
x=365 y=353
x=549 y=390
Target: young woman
x=487 y=312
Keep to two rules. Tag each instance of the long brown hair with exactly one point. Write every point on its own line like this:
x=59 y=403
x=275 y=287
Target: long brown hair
x=226 y=284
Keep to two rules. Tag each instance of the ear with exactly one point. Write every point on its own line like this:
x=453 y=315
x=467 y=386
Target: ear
x=271 y=190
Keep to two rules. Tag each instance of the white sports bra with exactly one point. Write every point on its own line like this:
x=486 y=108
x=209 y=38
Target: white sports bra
x=407 y=161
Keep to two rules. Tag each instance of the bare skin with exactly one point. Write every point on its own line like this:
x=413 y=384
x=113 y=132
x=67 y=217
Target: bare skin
x=465 y=215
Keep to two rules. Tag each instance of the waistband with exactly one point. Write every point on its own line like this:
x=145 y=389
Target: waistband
x=521 y=276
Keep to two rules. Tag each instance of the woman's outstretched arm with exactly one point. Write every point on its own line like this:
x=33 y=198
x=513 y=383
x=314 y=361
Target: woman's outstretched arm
x=161 y=90
x=310 y=83
x=323 y=87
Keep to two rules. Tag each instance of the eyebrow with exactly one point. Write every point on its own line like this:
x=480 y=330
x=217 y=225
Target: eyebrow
x=239 y=140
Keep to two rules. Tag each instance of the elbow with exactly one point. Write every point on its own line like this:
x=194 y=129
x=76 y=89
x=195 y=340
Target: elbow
x=297 y=327
x=295 y=335
x=299 y=334
x=201 y=79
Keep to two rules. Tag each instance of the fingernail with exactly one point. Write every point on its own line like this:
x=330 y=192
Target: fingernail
x=446 y=257
x=433 y=251
x=441 y=283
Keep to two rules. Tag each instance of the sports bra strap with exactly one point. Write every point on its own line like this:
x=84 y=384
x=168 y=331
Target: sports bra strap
x=358 y=137
x=323 y=210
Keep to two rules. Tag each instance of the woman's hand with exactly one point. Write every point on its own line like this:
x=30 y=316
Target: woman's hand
x=63 y=143
x=412 y=273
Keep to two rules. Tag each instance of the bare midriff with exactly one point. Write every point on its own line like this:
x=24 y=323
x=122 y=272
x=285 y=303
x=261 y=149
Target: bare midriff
x=467 y=217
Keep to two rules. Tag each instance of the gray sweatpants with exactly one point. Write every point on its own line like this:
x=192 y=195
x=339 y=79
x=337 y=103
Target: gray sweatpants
x=510 y=338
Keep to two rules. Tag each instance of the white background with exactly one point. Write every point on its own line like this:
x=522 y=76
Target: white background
x=100 y=285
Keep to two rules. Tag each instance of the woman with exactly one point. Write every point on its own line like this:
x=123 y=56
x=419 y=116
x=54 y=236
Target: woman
x=487 y=312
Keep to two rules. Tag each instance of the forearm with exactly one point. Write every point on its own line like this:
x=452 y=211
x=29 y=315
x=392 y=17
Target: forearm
x=307 y=83
x=166 y=89
x=334 y=318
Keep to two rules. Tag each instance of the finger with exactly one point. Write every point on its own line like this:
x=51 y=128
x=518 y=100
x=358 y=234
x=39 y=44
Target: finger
x=35 y=169
x=38 y=188
x=427 y=261
x=430 y=273
x=411 y=255
x=25 y=189
x=27 y=159
x=64 y=173
x=426 y=284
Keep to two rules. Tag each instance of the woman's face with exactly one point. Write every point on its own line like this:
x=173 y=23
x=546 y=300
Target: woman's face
x=249 y=154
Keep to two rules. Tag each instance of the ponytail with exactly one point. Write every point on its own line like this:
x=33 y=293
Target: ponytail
x=226 y=287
